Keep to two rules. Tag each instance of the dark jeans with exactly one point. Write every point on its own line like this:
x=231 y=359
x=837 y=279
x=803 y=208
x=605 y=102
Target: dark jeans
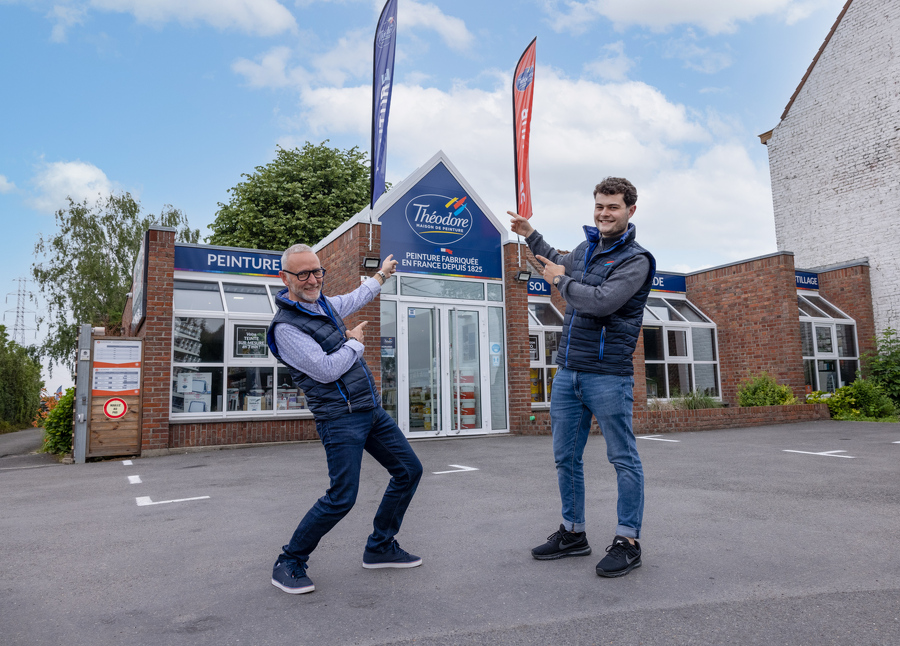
x=344 y=440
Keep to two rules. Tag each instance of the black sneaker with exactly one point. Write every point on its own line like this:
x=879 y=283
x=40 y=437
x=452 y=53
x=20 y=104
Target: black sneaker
x=561 y=544
x=395 y=557
x=621 y=558
x=290 y=576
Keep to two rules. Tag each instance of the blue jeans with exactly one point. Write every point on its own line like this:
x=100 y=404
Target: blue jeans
x=575 y=397
x=344 y=440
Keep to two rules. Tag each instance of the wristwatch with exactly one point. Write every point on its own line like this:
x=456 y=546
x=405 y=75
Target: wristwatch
x=383 y=276
x=556 y=280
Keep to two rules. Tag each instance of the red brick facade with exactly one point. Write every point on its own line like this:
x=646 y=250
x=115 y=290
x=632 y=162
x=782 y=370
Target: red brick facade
x=753 y=304
x=849 y=289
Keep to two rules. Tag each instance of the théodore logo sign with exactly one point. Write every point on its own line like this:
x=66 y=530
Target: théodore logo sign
x=439 y=219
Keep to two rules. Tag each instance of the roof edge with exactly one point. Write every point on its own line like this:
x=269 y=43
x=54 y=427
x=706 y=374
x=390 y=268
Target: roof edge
x=816 y=59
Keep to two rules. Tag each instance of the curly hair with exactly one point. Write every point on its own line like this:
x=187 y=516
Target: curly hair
x=615 y=186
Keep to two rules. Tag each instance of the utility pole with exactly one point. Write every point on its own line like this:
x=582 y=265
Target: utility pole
x=18 y=331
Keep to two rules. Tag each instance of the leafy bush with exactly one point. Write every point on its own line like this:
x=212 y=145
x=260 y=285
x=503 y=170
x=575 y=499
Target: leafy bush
x=58 y=425
x=763 y=390
x=883 y=367
x=860 y=401
x=695 y=400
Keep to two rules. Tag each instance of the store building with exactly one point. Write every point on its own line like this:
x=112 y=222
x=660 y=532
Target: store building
x=462 y=340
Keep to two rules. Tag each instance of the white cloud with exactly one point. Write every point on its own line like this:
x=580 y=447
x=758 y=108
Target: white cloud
x=270 y=69
x=716 y=199
x=452 y=30
x=260 y=17
x=6 y=186
x=65 y=16
x=77 y=179
x=714 y=16
x=613 y=66
x=695 y=57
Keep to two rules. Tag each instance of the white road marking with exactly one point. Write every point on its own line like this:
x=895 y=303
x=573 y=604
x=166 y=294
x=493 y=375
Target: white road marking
x=457 y=468
x=127 y=463
x=654 y=437
x=895 y=442
x=134 y=479
x=143 y=501
x=827 y=454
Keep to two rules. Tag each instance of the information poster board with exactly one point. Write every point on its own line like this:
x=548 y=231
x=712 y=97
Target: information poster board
x=115 y=423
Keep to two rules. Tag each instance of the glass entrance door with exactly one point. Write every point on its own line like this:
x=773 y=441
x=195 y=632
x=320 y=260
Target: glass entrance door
x=444 y=367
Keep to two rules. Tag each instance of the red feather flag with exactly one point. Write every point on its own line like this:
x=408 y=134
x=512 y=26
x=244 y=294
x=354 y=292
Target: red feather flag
x=523 y=93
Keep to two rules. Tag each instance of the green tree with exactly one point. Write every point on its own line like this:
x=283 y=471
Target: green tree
x=20 y=384
x=301 y=196
x=87 y=266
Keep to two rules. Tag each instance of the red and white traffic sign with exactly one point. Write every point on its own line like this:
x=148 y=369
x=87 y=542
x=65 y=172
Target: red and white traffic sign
x=115 y=408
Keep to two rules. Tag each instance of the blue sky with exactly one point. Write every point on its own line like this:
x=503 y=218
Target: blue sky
x=173 y=99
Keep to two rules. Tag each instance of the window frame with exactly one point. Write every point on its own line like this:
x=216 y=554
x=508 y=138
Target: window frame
x=681 y=324
x=233 y=319
x=813 y=372
x=536 y=328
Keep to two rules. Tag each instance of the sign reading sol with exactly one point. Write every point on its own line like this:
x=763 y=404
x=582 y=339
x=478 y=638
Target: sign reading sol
x=115 y=408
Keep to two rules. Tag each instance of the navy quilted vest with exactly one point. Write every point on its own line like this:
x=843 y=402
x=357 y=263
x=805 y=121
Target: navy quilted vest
x=606 y=344
x=354 y=391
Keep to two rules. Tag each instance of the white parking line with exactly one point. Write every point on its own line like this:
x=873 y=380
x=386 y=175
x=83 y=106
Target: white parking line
x=127 y=463
x=827 y=454
x=457 y=468
x=654 y=437
x=134 y=479
x=143 y=501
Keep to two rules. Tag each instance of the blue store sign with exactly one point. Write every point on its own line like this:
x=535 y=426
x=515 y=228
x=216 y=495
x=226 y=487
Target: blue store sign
x=538 y=287
x=227 y=261
x=669 y=283
x=806 y=280
x=437 y=228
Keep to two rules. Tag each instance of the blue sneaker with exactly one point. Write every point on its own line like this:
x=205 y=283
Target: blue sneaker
x=394 y=557
x=290 y=576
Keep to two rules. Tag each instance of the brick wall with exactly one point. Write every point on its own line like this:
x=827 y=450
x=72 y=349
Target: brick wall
x=186 y=434
x=754 y=306
x=517 y=358
x=849 y=289
x=834 y=159
x=673 y=421
x=156 y=392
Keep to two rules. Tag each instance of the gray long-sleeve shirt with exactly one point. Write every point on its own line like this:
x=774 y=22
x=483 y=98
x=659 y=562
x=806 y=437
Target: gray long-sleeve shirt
x=610 y=295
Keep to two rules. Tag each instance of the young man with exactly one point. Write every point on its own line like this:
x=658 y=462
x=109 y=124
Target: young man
x=308 y=335
x=605 y=282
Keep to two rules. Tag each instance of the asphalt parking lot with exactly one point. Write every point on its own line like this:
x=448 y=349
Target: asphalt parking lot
x=770 y=535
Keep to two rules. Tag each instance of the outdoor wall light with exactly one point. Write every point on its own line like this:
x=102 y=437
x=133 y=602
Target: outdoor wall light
x=371 y=263
x=523 y=276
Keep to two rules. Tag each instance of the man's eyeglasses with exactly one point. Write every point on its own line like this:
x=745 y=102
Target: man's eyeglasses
x=304 y=275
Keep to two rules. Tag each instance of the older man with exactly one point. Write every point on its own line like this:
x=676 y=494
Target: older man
x=325 y=359
x=605 y=282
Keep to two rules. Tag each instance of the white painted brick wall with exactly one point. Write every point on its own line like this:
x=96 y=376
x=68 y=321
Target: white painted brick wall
x=835 y=158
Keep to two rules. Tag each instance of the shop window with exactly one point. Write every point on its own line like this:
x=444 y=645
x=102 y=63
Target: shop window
x=544 y=334
x=441 y=288
x=389 y=359
x=680 y=352
x=247 y=298
x=495 y=293
x=199 y=340
x=828 y=343
x=221 y=365
x=189 y=295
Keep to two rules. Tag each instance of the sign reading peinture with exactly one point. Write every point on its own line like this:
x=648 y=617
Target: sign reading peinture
x=806 y=280
x=227 y=261
x=437 y=228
